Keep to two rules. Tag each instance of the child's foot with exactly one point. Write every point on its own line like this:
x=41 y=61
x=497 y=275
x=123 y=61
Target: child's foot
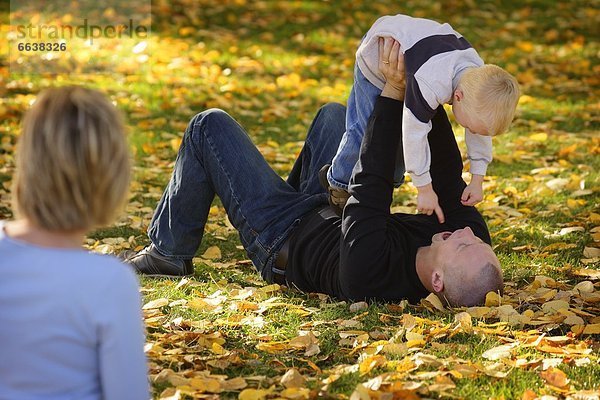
x=337 y=197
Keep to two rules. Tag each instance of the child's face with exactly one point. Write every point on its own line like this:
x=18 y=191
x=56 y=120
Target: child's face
x=471 y=122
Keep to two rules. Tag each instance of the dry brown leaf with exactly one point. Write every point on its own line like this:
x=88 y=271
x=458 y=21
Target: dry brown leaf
x=307 y=341
x=442 y=383
x=293 y=379
x=555 y=377
x=529 y=395
x=591 y=252
x=464 y=321
x=573 y=320
x=555 y=306
x=432 y=302
x=584 y=287
x=592 y=329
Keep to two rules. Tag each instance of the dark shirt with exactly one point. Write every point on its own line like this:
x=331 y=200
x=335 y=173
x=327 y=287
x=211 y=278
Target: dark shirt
x=369 y=254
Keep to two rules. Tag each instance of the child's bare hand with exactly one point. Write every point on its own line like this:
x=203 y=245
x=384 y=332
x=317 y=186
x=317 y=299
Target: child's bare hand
x=473 y=193
x=391 y=63
x=427 y=202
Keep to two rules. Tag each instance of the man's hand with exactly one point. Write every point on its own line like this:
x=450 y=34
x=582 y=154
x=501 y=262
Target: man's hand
x=473 y=193
x=427 y=202
x=391 y=65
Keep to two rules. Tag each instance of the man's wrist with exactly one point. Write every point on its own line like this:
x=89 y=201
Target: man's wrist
x=392 y=92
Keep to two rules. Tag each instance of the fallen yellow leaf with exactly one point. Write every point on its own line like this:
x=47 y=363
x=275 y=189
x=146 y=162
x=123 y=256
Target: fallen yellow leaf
x=212 y=253
x=492 y=299
x=254 y=394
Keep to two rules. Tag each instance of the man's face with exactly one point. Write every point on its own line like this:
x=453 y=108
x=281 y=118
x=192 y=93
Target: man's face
x=462 y=249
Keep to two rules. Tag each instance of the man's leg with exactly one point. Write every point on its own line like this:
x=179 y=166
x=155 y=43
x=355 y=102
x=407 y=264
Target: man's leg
x=321 y=144
x=218 y=157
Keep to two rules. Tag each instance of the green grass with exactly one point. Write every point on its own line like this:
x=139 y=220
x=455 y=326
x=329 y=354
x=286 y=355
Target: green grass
x=244 y=57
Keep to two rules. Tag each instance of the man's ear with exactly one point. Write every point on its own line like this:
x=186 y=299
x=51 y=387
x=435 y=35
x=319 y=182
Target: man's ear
x=458 y=95
x=437 y=281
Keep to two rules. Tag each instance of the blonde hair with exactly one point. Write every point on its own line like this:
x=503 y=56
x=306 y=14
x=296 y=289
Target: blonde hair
x=72 y=161
x=492 y=95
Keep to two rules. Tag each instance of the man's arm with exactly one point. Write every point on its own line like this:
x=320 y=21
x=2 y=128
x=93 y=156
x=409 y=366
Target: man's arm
x=366 y=245
x=446 y=162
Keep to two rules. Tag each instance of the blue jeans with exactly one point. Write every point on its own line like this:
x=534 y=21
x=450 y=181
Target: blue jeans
x=361 y=103
x=217 y=157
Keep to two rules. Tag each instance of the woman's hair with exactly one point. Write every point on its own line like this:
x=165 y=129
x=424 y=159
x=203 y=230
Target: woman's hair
x=72 y=161
x=491 y=94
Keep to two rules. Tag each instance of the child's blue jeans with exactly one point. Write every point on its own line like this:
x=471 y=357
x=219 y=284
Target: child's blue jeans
x=360 y=106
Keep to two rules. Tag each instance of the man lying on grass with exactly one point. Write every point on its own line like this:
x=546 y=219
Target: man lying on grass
x=293 y=237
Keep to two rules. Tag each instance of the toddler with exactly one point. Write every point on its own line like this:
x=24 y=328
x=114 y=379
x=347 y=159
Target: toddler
x=441 y=67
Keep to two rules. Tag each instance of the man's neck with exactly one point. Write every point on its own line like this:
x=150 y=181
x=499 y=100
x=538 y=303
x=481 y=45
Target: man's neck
x=23 y=230
x=423 y=265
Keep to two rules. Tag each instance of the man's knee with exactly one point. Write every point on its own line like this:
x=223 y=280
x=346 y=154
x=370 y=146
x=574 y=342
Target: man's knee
x=209 y=116
x=330 y=124
x=334 y=110
x=207 y=121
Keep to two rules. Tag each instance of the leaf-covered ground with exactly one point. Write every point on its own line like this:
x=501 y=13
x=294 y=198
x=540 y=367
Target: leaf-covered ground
x=271 y=64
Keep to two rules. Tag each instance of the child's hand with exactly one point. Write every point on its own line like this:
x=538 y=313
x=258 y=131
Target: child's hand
x=473 y=193
x=391 y=65
x=427 y=202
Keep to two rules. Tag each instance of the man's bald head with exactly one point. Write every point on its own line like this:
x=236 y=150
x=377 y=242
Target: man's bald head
x=469 y=286
x=462 y=268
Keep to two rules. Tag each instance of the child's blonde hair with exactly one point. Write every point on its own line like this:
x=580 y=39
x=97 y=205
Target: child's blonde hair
x=73 y=163
x=491 y=94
